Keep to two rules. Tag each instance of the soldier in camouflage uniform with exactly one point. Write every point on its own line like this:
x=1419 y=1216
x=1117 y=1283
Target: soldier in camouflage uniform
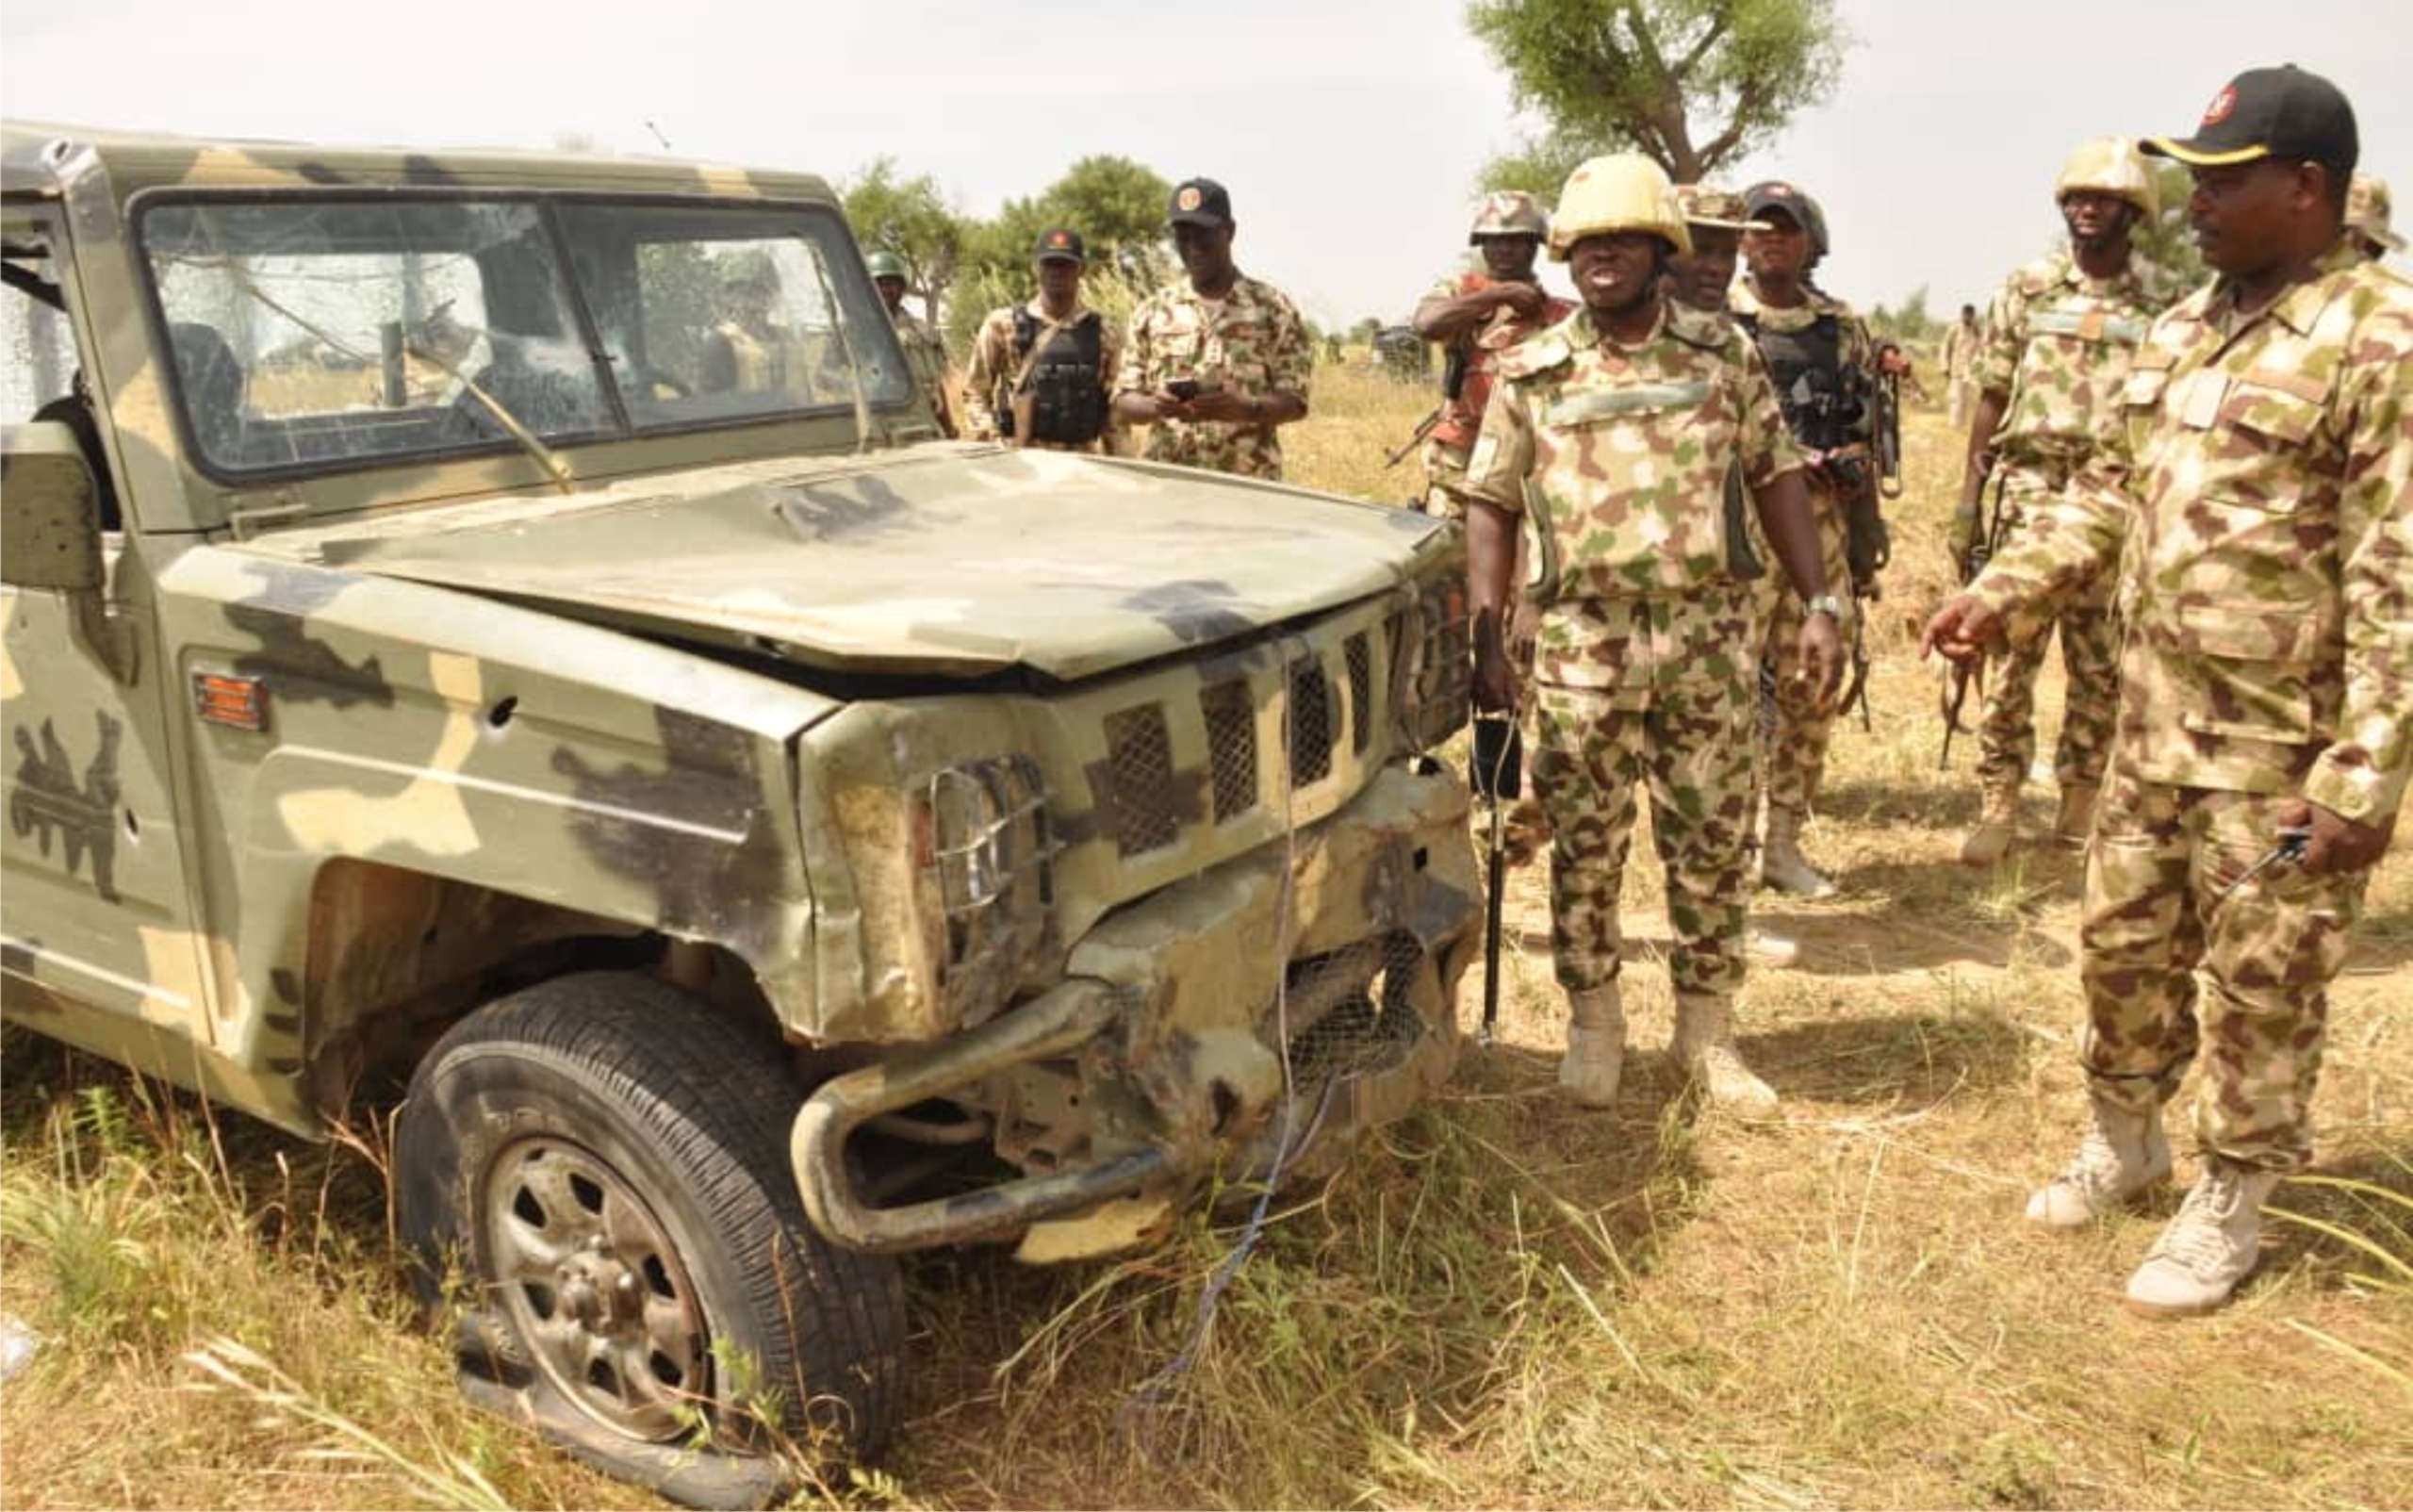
x=925 y=351
x=1958 y=357
x=2367 y=217
x=1212 y=365
x=2057 y=339
x=1822 y=360
x=1612 y=438
x=2256 y=488
x=1475 y=313
x=1702 y=279
x=1052 y=359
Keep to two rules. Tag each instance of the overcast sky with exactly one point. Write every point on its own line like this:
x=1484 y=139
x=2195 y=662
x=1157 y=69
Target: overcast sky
x=1349 y=133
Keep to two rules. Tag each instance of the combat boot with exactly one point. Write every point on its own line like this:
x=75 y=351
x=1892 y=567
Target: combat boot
x=1781 y=866
x=2123 y=1153
x=2076 y=822
x=1704 y=1045
x=1595 y=1046
x=1998 y=826
x=2210 y=1247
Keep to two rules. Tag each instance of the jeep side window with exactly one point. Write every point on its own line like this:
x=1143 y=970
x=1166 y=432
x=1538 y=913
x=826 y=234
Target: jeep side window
x=308 y=330
x=40 y=377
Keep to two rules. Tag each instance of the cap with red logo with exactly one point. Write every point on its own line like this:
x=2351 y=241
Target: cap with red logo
x=1060 y=244
x=2284 y=113
x=1200 y=201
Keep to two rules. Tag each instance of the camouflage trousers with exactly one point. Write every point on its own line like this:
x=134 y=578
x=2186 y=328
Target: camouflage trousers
x=2173 y=960
x=1445 y=472
x=1689 y=745
x=1797 y=747
x=2090 y=635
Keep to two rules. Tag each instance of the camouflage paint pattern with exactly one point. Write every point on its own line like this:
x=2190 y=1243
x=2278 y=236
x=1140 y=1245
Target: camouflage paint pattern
x=1453 y=439
x=694 y=698
x=1687 y=743
x=1251 y=342
x=2180 y=959
x=1643 y=662
x=2257 y=492
x=2090 y=638
x=994 y=364
x=1794 y=762
x=1797 y=748
x=1626 y=451
x=2057 y=342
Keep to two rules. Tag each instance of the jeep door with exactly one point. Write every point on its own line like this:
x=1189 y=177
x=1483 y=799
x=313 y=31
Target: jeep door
x=94 y=907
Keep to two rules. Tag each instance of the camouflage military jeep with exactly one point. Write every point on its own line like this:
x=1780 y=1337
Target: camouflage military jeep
x=506 y=621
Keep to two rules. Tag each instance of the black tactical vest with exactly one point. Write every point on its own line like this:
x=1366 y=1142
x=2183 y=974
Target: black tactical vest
x=1824 y=403
x=1067 y=384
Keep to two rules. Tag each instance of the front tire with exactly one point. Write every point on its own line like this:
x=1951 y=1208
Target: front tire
x=603 y=1159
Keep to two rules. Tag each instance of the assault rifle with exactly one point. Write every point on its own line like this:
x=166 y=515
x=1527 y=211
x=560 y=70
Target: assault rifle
x=1453 y=383
x=1984 y=543
x=1889 y=433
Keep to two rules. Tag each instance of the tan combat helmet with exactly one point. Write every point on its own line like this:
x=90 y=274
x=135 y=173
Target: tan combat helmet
x=1721 y=210
x=1508 y=213
x=2110 y=165
x=1621 y=191
x=2366 y=210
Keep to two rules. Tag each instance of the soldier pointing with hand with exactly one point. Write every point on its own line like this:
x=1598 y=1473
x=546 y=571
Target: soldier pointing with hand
x=2255 y=483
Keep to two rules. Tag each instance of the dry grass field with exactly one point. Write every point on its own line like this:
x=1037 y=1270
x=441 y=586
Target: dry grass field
x=1502 y=1302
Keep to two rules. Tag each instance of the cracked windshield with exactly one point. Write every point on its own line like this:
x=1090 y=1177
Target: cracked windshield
x=306 y=334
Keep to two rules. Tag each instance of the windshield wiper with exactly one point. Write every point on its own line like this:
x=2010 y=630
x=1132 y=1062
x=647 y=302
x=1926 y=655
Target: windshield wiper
x=546 y=456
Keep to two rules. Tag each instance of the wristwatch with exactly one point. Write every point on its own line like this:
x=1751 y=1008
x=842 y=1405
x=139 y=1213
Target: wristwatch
x=1827 y=604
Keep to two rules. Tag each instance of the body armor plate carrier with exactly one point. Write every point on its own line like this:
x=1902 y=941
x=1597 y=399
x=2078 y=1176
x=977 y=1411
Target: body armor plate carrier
x=1066 y=384
x=1825 y=402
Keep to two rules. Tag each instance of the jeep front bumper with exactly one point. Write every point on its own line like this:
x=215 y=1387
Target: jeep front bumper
x=1195 y=1030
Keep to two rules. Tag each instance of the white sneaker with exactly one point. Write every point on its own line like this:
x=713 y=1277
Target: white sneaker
x=2124 y=1153
x=2209 y=1248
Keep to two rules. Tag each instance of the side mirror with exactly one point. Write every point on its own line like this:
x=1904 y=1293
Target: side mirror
x=50 y=510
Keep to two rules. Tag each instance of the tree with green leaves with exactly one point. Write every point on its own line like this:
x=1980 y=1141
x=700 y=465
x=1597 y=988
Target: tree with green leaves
x=910 y=216
x=1693 y=85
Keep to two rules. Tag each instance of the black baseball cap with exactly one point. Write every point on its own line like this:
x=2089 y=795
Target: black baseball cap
x=1776 y=194
x=2278 y=112
x=1200 y=201
x=1060 y=244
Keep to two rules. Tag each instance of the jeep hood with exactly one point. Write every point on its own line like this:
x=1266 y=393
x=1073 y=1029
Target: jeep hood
x=951 y=560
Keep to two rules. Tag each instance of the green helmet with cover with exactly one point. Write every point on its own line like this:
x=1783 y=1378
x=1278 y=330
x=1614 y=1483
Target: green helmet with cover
x=886 y=264
x=1618 y=192
x=1509 y=213
x=1720 y=209
x=2113 y=166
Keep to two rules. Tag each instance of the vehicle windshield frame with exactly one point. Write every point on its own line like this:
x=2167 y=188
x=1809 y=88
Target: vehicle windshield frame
x=830 y=231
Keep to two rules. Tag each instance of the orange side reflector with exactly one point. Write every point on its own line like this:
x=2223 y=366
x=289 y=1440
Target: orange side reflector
x=237 y=702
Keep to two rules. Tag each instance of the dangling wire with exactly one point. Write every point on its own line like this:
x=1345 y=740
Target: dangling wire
x=1151 y=1391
